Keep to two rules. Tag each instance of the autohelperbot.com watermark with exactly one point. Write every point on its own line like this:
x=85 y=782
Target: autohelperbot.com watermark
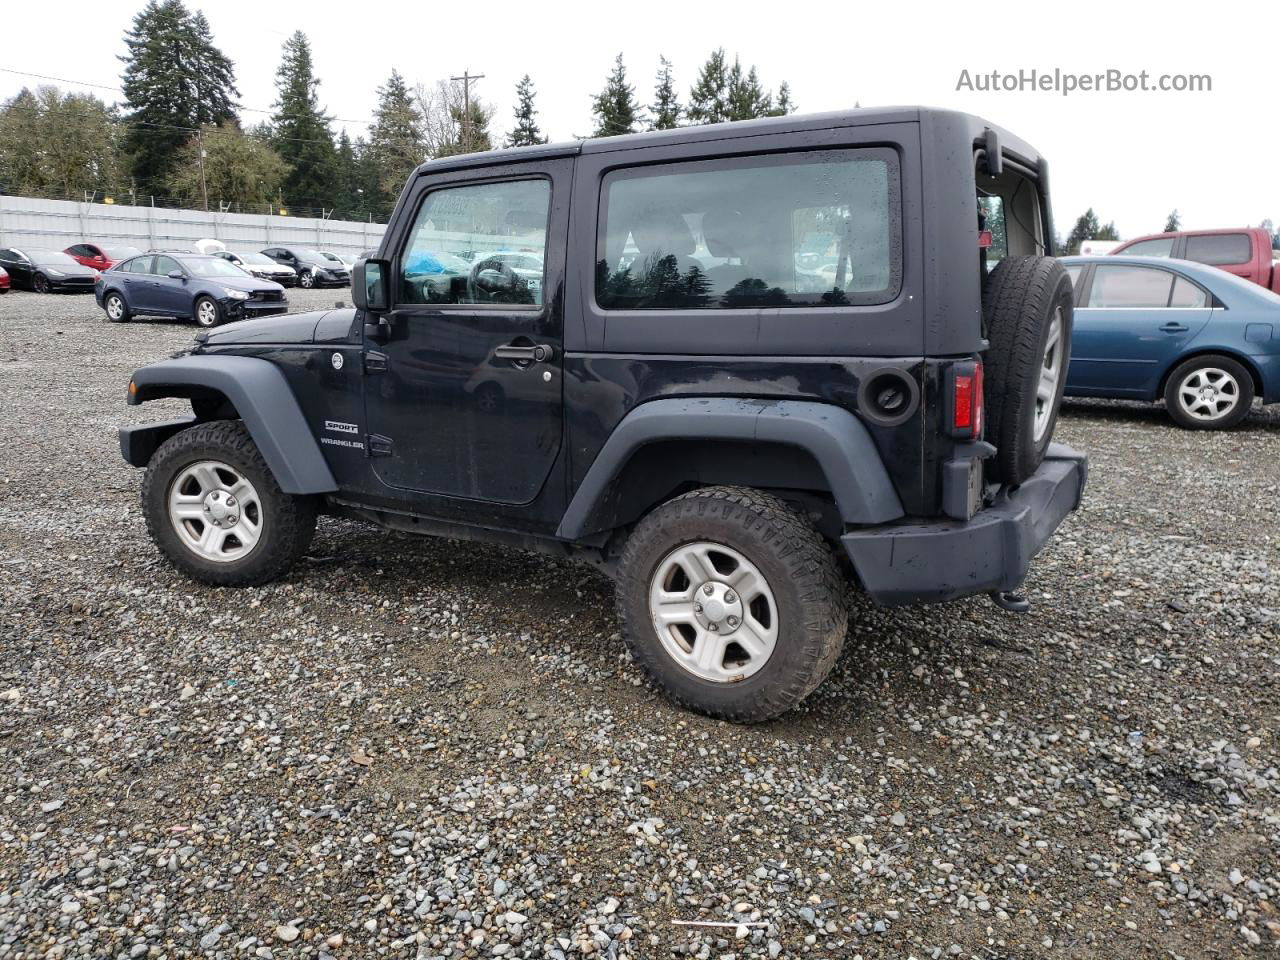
x=1065 y=82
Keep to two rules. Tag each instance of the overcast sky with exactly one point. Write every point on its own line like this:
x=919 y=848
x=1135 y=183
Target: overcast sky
x=1133 y=157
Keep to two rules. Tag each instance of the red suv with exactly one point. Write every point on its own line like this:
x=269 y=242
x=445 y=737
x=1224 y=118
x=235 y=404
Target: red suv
x=100 y=258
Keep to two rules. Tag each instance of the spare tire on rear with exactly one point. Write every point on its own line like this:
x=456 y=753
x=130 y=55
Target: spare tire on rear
x=1026 y=308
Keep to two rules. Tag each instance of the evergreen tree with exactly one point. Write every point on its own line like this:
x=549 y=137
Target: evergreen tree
x=472 y=127
x=175 y=82
x=615 y=107
x=745 y=99
x=301 y=130
x=784 y=104
x=526 y=132
x=1108 y=232
x=346 y=179
x=666 y=107
x=1173 y=223
x=1086 y=228
x=708 y=100
x=395 y=141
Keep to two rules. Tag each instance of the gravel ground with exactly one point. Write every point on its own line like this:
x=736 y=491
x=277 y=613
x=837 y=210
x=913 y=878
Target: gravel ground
x=417 y=748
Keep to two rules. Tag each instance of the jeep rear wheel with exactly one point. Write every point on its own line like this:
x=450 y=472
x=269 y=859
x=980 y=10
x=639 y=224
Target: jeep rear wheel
x=731 y=602
x=214 y=508
x=1027 y=308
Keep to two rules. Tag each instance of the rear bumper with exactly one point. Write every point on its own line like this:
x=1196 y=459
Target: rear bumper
x=930 y=562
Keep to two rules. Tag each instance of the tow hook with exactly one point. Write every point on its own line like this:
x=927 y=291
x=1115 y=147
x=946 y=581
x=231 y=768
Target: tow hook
x=1010 y=601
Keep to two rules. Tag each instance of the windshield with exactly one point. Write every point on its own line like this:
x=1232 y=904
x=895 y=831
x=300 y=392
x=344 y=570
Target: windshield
x=120 y=253
x=213 y=267
x=310 y=256
x=330 y=256
x=258 y=258
x=51 y=258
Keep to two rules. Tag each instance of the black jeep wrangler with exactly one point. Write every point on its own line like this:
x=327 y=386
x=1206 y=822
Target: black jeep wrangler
x=737 y=367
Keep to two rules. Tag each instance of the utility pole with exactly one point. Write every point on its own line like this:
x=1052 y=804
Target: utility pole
x=204 y=187
x=466 y=79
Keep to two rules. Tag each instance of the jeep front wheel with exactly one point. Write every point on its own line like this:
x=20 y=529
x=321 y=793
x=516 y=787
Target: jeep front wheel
x=731 y=602
x=215 y=510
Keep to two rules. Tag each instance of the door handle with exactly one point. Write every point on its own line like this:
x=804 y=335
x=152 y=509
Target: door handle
x=1174 y=328
x=532 y=353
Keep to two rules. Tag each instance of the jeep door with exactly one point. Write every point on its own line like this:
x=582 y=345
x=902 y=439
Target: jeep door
x=1130 y=322
x=464 y=395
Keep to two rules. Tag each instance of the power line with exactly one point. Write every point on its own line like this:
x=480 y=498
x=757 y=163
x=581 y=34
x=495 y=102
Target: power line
x=116 y=89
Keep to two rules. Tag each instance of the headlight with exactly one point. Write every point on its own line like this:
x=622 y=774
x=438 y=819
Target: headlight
x=237 y=294
x=54 y=273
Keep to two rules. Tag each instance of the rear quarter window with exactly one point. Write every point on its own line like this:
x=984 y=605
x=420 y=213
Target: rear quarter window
x=1220 y=249
x=815 y=229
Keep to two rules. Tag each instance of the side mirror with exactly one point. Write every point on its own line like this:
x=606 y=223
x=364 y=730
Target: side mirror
x=175 y=275
x=369 y=280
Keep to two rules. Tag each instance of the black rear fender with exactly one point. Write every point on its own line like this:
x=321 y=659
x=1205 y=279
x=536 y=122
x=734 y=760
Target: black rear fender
x=671 y=444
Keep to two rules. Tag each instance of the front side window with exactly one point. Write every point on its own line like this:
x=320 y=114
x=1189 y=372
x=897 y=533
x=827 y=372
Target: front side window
x=1220 y=249
x=482 y=243
x=1159 y=247
x=1129 y=287
x=801 y=230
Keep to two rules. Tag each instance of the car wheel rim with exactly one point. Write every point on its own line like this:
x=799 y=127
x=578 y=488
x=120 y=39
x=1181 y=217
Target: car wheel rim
x=1209 y=393
x=307 y=279
x=41 y=285
x=1050 y=376
x=115 y=309
x=714 y=612
x=215 y=511
x=206 y=314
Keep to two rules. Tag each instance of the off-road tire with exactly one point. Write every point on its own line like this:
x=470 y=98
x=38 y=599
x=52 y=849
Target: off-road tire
x=801 y=571
x=125 y=314
x=1018 y=302
x=1242 y=377
x=288 y=521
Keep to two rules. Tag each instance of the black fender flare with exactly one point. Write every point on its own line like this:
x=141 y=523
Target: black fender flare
x=261 y=396
x=837 y=440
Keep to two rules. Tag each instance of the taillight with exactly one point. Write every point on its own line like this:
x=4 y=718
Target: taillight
x=966 y=400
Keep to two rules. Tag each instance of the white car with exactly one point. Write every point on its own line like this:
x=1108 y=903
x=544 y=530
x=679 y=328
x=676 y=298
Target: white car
x=260 y=265
x=347 y=262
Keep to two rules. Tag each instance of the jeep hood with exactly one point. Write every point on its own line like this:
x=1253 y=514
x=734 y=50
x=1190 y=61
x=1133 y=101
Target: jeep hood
x=317 y=326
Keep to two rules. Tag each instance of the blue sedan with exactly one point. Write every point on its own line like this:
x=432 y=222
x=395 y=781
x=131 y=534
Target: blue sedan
x=208 y=290
x=1204 y=340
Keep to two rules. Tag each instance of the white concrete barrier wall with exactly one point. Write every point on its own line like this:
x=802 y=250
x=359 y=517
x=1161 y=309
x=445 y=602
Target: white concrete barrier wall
x=57 y=224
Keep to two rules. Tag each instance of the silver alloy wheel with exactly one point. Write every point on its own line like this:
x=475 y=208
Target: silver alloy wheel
x=1050 y=376
x=307 y=279
x=115 y=307
x=206 y=313
x=215 y=511
x=1209 y=393
x=714 y=612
